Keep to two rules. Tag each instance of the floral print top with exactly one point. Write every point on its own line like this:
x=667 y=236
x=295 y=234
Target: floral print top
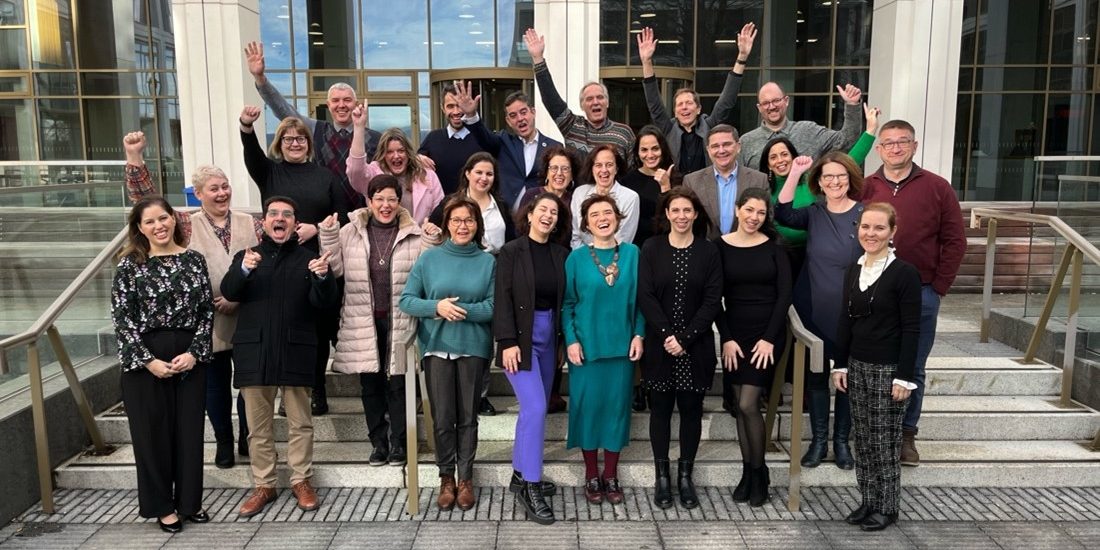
x=171 y=291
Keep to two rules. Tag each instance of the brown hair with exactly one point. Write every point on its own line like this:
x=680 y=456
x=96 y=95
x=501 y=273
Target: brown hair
x=275 y=150
x=459 y=201
x=414 y=169
x=549 y=153
x=137 y=245
x=855 y=175
x=560 y=232
x=885 y=208
x=620 y=164
x=596 y=199
x=898 y=124
x=702 y=221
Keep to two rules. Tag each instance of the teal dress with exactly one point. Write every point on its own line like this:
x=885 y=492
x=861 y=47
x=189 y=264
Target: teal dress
x=603 y=319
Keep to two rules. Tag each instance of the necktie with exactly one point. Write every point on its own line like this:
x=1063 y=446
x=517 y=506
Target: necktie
x=343 y=133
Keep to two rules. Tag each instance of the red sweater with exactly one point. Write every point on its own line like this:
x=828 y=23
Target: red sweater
x=930 y=226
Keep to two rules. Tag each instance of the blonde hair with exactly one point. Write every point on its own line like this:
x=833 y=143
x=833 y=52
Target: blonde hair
x=205 y=173
x=414 y=169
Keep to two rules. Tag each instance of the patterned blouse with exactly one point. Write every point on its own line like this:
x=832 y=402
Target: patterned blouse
x=165 y=292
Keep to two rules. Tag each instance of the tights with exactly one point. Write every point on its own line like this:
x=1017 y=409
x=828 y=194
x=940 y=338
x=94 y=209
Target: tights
x=610 y=463
x=660 y=422
x=750 y=424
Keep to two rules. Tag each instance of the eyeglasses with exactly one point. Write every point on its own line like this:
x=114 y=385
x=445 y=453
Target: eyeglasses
x=288 y=140
x=773 y=103
x=284 y=213
x=468 y=222
x=385 y=200
x=901 y=143
x=830 y=178
x=560 y=169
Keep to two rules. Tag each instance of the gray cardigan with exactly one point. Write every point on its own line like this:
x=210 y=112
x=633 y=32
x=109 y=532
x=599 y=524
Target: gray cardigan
x=722 y=113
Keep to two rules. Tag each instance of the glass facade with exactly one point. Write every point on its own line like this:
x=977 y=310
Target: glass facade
x=1027 y=87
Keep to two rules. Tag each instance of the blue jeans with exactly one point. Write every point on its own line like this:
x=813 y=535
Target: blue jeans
x=929 y=313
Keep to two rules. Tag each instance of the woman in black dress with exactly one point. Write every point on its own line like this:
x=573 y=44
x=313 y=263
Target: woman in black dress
x=757 y=293
x=680 y=293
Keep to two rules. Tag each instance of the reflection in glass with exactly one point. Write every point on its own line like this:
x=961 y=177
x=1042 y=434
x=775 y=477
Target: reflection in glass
x=171 y=142
x=13 y=49
x=11 y=12
x=718 y=24
x=383 y=117
x=853 y=32
x=613 y=33
x=109 y=118
x=331 y=32
x=961 y=145
x=463 y=34
x=1014 y=33
x=16 y=130
x=673 y=24
x=106 y=35
x=55 y=84
x=52 y=39
x=1011 y=78
x=13 y=84
x=1067 y=124
x=1005 y=135
x=514 y=17
x=811 y=33
x=1074 y=39
x=389 y=83
x=59 y=129
x=275 y=35
x=395 y=34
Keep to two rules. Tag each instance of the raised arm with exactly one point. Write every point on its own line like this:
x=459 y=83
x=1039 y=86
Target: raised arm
x=647 y=45
x=853 y=123
x=359 y=169
x=329 y=237
x=555 y=105
x=255 y=159
x=862 y=147
x=799 y=166
x=469 y=104
x=727 y=100
x=254 y=55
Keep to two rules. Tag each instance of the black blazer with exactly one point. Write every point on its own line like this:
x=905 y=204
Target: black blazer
x=514 y=313
x=275 y=343
x=702 y=304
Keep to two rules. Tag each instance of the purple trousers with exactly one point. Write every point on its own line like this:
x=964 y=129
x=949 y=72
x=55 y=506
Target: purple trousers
x=532 y=388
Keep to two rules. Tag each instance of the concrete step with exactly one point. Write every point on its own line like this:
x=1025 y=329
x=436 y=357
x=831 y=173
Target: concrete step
x=945 y=463
x=944 y=418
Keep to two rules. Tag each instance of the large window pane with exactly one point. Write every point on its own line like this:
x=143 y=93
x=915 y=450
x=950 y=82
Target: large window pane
x=13 y=49
x=613 y=33
x=1013 y=33
x=1005 y=135
x=995 y=79
x=969 y=31
x=962 y=146
x=1067 y=124
x=16 y=132
x=59 y=129
x=275 y=34
x=107 y=119
x=673 y=23
x=811 y=33
x=52 y=39
x=106 y=35
x=514 y=17
x=1074 y=39
x=11 y=12
x=719 y=22
x=463 y=34
x=55 y=84
x=331 y=31
x=853 y=32
x=395 y=34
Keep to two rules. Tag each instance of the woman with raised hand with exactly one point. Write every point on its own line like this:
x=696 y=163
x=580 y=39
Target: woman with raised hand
x=876 y=351
x=163 y=312
x=680 y=293
x=450 y=292
x=421 y=190
x=602 y=169
x=757 y=294
x=603 y=328
x=530 y=284
x=653 y=175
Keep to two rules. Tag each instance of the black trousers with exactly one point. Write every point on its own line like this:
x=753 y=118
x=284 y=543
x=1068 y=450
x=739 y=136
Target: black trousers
x=384 y=395
x=661 y=404
x=454 y=386
x=328 y=324
x=166 y=426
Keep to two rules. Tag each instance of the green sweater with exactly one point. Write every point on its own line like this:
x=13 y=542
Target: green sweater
x=452 y=270
x=804 y=197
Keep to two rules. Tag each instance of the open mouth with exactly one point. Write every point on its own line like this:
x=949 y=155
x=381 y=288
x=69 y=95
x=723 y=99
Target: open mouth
x=603 y=225
x=783 y=167
x=161 y=234
x=546 y=224
x=279 y=230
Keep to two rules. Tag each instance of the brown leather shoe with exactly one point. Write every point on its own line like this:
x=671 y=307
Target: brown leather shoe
x=447 y=492
x=307 y=497
x=257 y=501
x=593 y=491
x=466 y=498
x=909 y=454
x=612 y=491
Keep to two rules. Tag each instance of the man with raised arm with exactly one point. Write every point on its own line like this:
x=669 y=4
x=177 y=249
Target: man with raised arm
x=332 y=140
x=687 y=132
x=809 y=137
x=518 y=152
x=581 y=132
x=449 y=147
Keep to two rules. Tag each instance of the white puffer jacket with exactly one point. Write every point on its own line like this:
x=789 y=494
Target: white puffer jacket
x=349 y=248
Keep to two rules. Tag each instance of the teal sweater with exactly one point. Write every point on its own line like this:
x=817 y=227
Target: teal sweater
x=452 y=270
x=602 y=318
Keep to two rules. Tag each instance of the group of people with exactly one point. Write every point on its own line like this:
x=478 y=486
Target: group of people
x=512 y=249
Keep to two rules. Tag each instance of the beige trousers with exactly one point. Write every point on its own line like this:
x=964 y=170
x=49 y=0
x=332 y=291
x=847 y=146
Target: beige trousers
x=259 y=402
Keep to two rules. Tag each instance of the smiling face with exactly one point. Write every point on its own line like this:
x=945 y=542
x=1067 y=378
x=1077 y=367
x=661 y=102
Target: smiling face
x=649 y=151
x=834 y=180
x=396 y=158
x=604 y=169
x=559 y=174
x=480 y=177
x=896 y=148
x=215 y=194
x=521 y=119
x=279 y=221
x=462 y=225
x=452 y=111
x=294 y=146
x=594 y=103
x=681 y=215
x=687 y=109
x=875 y=232
x=723 y=150
x=542 y=219
x=779 y=159
x=158 y=226
x=772 y=104
x=751 y=215
x=340 y=104
x=384 y=205
x=601 y=219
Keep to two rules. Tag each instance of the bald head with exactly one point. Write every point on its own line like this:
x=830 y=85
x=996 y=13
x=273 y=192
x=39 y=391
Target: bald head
x=772 y=104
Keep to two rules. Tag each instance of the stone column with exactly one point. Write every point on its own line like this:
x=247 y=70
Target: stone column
x=572 y=31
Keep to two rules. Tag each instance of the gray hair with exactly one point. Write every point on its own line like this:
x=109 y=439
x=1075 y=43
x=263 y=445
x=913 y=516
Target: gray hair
x=592 y=83
x=342 y=86
x=205 y=173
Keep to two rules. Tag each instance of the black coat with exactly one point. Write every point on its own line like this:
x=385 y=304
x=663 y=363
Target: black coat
x=514 y=312
x=275 y=343
x=702 y=303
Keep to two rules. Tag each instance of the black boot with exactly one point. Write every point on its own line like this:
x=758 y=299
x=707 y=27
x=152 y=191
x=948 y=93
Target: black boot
x=538 y=510
x=319 y=404
x=819 y=428
x=759 y=486
x=224 y=457
x=686 y=486
x=842 y=426
x=741 y=493
x=639 y=399
x=662 y=490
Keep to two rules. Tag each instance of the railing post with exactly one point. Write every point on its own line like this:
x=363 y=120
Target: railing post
x=793 y=500
x=775 y=393
x=412 y=468
x=1070 y=353
x=82 y=405
x=41 y=438
x=1048 y=307
x=987 y=283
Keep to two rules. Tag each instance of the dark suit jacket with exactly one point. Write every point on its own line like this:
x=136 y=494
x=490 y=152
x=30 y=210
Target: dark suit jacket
x=514 y=313
x=508 y=150
x=706 y=187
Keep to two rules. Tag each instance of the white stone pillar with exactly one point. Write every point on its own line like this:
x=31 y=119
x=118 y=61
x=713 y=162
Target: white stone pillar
x=214 y=84
x=915 y=48
x=572 y=31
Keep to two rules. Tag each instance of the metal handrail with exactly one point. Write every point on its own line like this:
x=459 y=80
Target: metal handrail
x=1077 y=249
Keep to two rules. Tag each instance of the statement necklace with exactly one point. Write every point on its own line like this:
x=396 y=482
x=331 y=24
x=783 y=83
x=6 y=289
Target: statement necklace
x=610 y=272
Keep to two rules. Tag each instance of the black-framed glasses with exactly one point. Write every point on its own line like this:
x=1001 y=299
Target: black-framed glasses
x=859 y=311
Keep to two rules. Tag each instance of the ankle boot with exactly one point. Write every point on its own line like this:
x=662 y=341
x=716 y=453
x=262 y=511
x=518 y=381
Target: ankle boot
x=685 y=485
x=534 y=502
x=759 y=486
x=741 y=493
x=662 y=490
x=842 y=426
x=819 y=427
x=224 y=457
x=318 y=406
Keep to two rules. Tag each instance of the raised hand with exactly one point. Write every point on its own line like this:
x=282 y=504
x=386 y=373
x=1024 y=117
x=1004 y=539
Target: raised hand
x=745 y=39
x=254 y=55
x=647 y=45
x=464 y=95
x=250 y=114
x=850 y=94
x=319 y=266
x=799 y=166
x=331 y=222
x=762 y=354
x=359 y=116
x=871 y=114
x=251 y=259
x=134 y=145
x=664 y=177
x=536 y=45
x=447 y=309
